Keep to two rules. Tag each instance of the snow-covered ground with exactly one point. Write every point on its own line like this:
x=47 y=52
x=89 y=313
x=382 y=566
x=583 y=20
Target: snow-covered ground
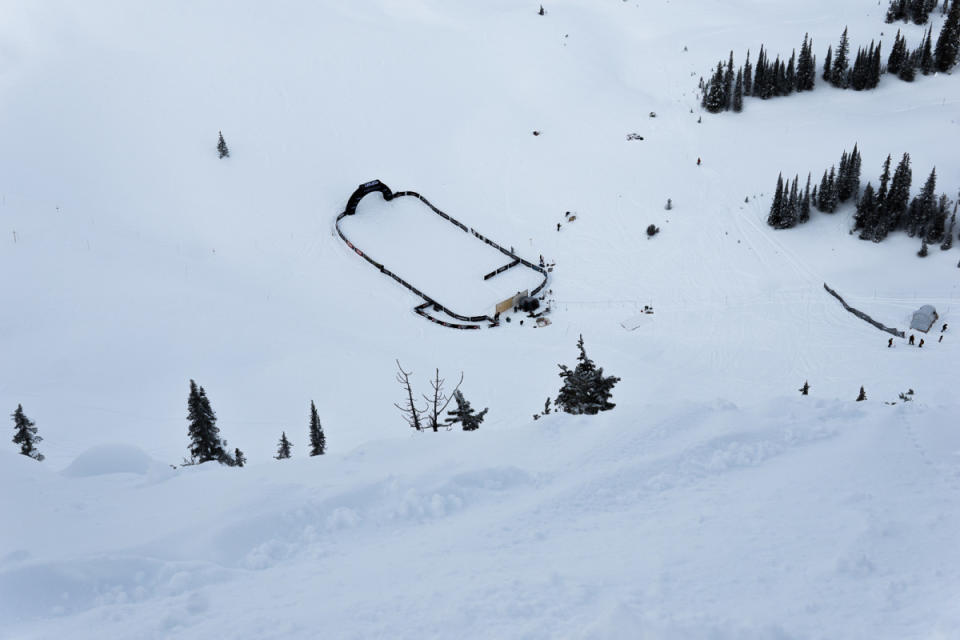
x=714 y=501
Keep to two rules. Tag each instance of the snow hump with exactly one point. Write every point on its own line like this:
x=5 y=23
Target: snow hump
x=111 y=458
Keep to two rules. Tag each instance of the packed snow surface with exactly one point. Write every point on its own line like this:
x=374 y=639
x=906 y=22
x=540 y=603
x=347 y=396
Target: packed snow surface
x=713 y=502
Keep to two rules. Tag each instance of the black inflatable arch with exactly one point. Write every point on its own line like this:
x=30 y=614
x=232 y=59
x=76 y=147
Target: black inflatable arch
x=364 y=189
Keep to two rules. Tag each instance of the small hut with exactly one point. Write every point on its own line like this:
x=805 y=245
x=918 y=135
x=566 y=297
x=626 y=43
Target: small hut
x=923 y=318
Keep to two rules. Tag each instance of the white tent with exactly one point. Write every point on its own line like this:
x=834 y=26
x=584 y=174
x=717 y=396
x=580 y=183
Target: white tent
x=923 y=318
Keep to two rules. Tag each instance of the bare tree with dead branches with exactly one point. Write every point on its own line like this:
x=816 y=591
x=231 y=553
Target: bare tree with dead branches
x=437 y=402
x=411 y=413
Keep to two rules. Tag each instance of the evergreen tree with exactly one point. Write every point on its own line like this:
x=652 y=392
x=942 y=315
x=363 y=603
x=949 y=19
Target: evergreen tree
x=790 y=80
x=728 y=84
x=828 y=197
x=857 y=79
x=792 y=212
x=927 y=63
x=937 y=222
x=866 y=216
x=896 y=11
x=875 y=68
x=879 y=229
x=25 y=435
x=805 y=389
x=948 y=236
x=806 y=73
x=848 y=183
x=283 y=448
x=823 y=199
x=838 y=75
x=238 y=458
x=222 y=147
x=715 y=102
x=546 y=407
x=318 y=441
x=898 y=54
x=862 y=396
x=842 y=175
x=828 y=64
x=465 y=415
x=759 y=79
x=924 y=211
x=805 y=203
x=585 y=390
x=747 y=76
x=895 y=204
x=948 y=43
x=780 y=78
x=205 y=442
x=775 y=217
x=738 y=93
x=923 y=249
x=884 y=182
x=908 y=68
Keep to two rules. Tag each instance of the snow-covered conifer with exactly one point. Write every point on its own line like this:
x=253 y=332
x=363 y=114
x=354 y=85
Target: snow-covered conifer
x=222 y=147
x=585 y=390
x=318 y=441
x=25 y=434
x=205 y=442
x=283 y=447
x=465 y=414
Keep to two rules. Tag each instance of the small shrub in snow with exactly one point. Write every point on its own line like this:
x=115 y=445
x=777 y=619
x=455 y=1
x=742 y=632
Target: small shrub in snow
x=652 y=230
x=862 y=396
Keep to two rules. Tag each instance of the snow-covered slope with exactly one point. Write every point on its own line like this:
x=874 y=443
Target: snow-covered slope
x=796 y=519
x=132 y=259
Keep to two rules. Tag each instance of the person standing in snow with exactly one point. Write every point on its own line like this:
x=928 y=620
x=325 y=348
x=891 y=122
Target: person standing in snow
x=889 y=343
x=911 y=339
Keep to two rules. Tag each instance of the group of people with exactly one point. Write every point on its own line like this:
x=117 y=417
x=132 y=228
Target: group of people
x=912 y=340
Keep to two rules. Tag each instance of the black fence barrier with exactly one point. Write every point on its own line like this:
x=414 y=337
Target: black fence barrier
x=862 y=315
x=501 y=270
x=377 y=186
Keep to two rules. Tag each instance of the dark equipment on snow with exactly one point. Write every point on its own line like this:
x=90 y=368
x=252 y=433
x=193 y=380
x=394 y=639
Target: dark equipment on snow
x=528 y=303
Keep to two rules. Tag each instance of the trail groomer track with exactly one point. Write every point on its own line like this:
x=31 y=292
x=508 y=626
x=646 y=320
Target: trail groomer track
x=430 y=303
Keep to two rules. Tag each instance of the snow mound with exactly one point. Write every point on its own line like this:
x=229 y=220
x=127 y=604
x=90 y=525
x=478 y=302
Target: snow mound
x=113 y=458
